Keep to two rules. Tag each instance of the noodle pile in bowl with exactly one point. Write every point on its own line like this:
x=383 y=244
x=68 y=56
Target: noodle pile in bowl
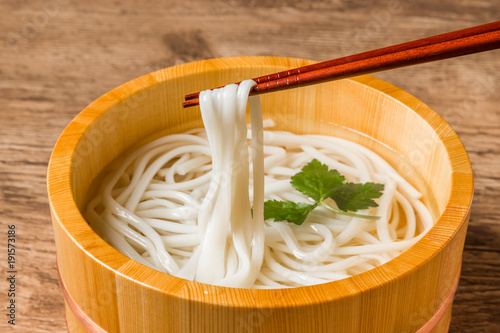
x=191 y=204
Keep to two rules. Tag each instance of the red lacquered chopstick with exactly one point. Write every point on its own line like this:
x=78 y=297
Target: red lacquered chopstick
x=373 y=53
x=453 y=44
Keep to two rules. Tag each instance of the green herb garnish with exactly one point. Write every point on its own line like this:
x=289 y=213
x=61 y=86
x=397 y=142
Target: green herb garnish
x=319 y=183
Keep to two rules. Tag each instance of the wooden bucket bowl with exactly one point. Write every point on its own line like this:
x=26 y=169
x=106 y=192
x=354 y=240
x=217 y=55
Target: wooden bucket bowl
x=107 y=291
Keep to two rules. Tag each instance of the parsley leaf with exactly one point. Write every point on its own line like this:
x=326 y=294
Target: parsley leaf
x=353 y=196
x=319 y=183
x=316 y=181
x=295 y=212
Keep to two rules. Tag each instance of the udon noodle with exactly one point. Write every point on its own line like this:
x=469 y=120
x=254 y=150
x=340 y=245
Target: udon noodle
x=191 y=204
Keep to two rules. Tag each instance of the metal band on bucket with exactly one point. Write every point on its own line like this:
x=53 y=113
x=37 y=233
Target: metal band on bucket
x=86 y=322
x=434 y=320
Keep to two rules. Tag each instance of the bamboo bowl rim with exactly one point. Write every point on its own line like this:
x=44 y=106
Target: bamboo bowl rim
x=68 y=216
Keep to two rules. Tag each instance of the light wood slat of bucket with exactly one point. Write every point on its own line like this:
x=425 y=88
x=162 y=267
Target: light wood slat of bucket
x=440 y=316
x=121 y=295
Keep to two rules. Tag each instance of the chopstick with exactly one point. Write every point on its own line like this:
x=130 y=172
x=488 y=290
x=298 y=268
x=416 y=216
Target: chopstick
x=453 y=44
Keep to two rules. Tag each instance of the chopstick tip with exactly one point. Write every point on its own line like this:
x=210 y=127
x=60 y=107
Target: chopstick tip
x=190 y=103
x=192 y=96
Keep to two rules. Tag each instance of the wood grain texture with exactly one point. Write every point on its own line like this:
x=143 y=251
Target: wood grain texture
x=79 y=50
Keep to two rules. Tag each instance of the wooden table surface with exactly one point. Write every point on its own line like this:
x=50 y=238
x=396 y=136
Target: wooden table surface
x=56 y=56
